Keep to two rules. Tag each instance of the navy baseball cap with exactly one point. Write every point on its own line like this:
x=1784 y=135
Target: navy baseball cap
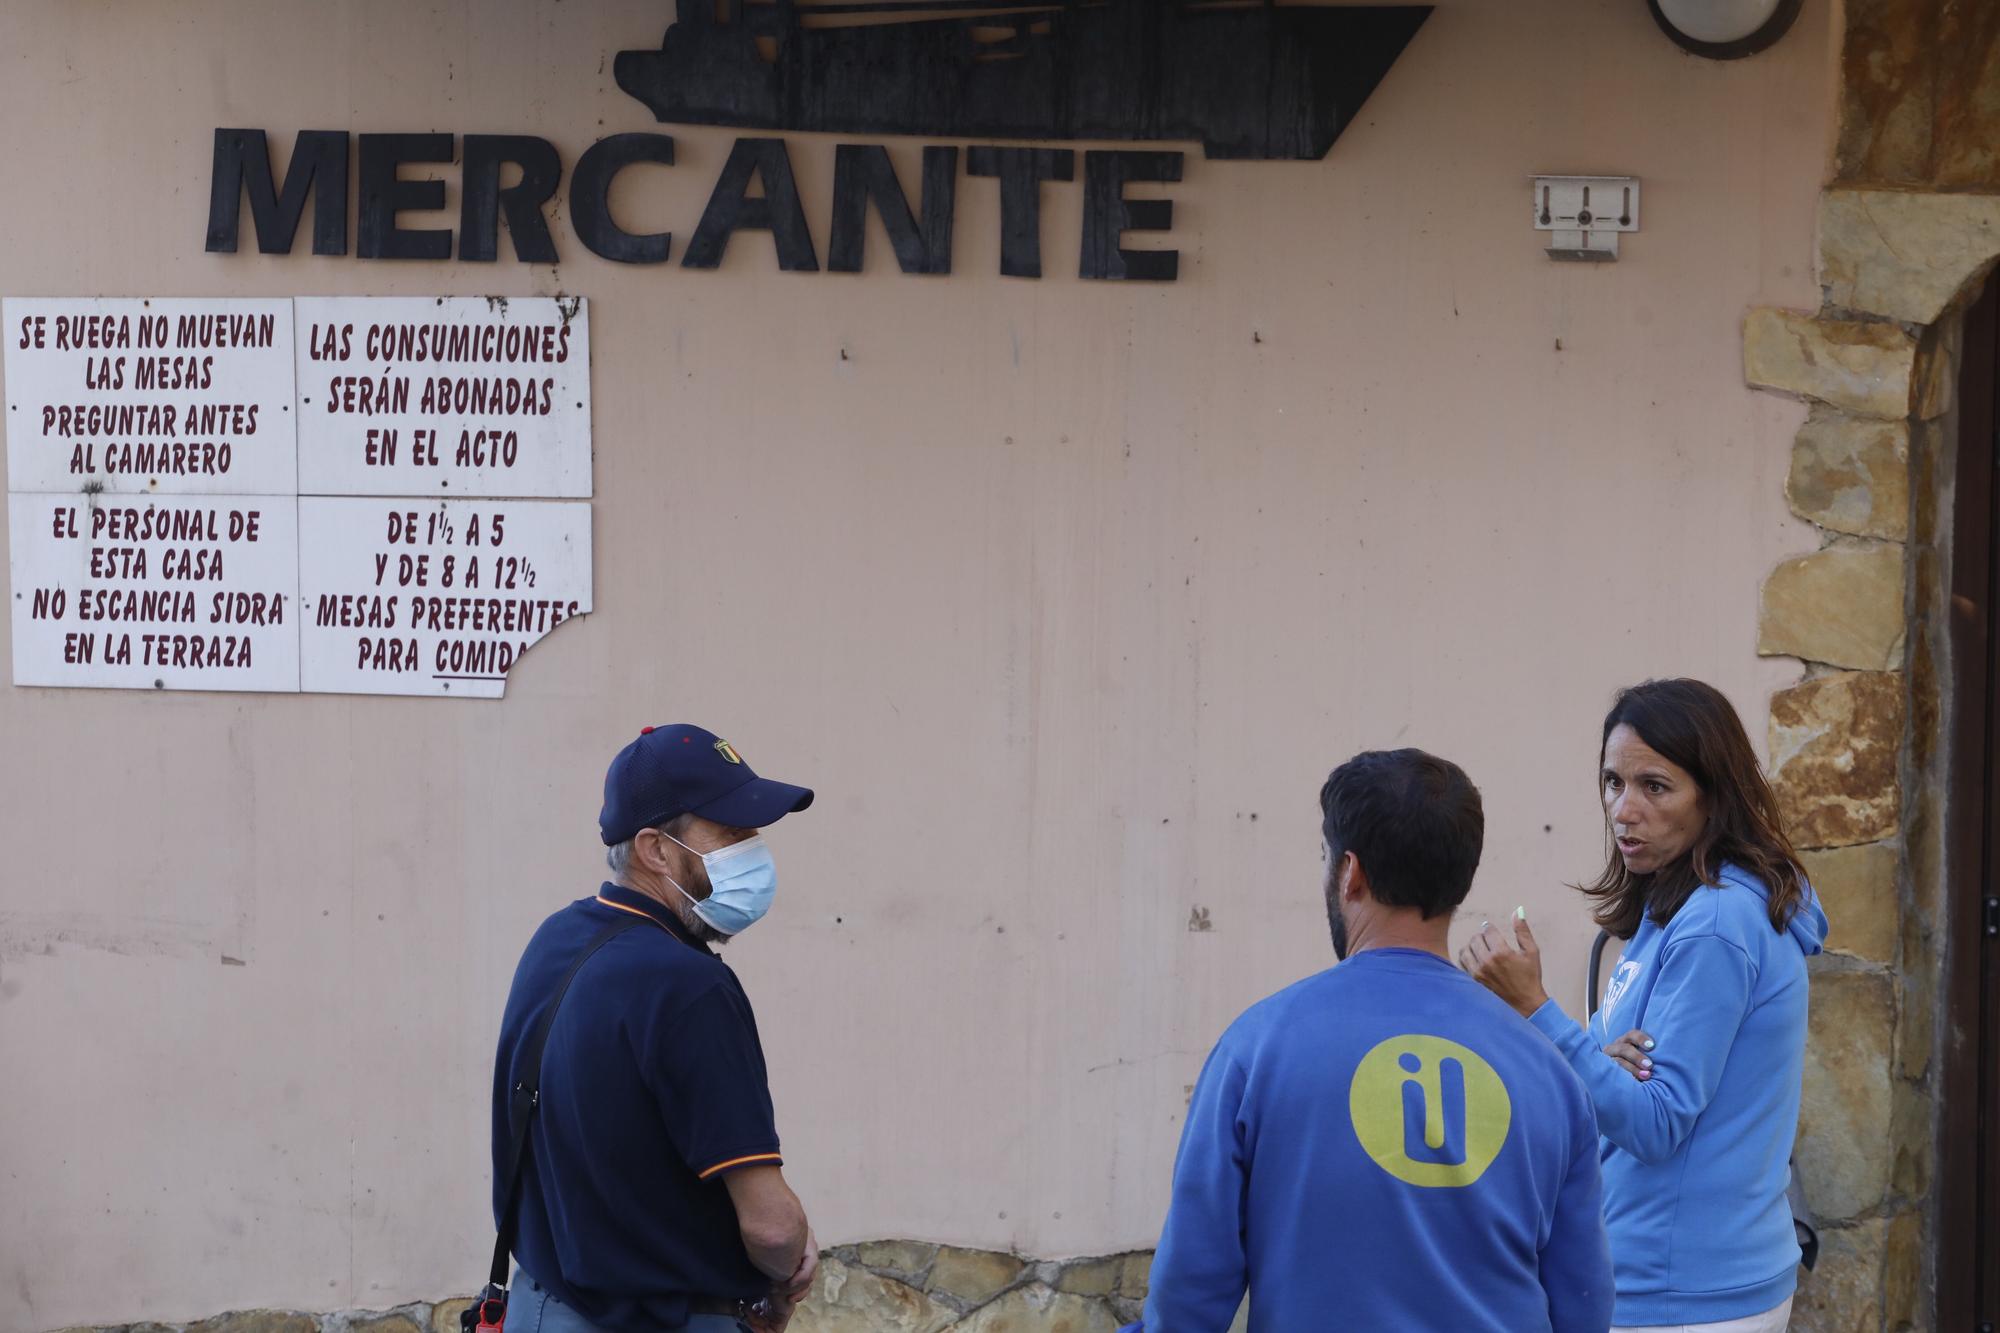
x=685 y=770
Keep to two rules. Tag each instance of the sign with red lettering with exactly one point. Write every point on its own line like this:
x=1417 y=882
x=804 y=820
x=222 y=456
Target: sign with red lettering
x=444 y=396
x=434 y=597
x=149 y=396
x=181 y=592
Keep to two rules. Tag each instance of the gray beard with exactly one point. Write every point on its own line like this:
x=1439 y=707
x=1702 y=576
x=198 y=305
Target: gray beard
x=702 y=932
x=683 y=908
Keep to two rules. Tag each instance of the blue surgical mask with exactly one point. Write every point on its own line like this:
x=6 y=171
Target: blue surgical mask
x=742 y=881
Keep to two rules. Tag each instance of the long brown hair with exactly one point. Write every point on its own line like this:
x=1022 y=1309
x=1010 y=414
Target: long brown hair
x=1690 y=723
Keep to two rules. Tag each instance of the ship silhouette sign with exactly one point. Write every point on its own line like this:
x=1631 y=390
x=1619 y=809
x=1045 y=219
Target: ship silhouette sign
x=1246 y=79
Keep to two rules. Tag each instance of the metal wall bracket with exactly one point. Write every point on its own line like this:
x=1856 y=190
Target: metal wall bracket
x=1584 y=214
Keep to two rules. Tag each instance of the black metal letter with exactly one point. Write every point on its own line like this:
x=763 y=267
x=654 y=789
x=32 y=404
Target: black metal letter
x=1108 y=214
x=481 y=198
x=590 y=198
x=243 y=166
x=384 y=195
x=862 y=172
x=1021 y=172
x=730 y=209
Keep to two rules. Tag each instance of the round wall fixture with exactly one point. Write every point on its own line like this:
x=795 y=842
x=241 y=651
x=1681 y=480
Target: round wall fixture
x=1725 y=29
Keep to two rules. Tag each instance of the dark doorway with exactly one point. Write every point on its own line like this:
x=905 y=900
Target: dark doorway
x=1968 y=1175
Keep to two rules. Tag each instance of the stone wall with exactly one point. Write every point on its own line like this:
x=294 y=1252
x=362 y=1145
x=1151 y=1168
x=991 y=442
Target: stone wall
x=909 y=1287
x=419 y=1318
x=1856 y=746
x=878 y=1287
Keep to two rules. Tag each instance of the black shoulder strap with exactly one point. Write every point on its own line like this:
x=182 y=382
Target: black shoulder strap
x=527 y=1098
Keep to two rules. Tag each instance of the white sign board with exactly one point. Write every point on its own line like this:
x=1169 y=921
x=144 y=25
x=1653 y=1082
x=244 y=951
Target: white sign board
x=165 y=457
x=434 y=597
x=155 y=592
x=164 y=397
x=444 y=396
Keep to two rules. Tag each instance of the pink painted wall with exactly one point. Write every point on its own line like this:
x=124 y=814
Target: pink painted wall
x=1066 y=596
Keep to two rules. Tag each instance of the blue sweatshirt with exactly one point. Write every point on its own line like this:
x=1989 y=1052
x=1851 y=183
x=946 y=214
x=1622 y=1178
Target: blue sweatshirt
x=1696 y=1159
x=1384 y=1146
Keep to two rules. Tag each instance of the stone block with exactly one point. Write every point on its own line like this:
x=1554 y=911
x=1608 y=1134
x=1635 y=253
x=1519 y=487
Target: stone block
x=1915 y=1034
x=1852 y=475
x=1926 y=844
x=1903 y=255
x=1925 y=702
x=1039 y=1309
x=1843 y=1293
x=1834 y=745
x=1887 y=104
x=394 y=1322
x=1902 y=1271
x=846 y=1299
x=973 y=1276
x=1091 y=1277
x=1846 y=1151
x=1137 y=1278
x=1910 y=1131
x=1920 y=94
x=902 y=1258
x=1842 y=606
x=1867 y=369
x=1930 y=482
x=1934 y=388
x=444 y=1315
x=1966 y=124
x=258 y=1321
x=1857 y=886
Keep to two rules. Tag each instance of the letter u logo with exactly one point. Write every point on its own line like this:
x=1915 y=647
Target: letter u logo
x=1433 y=1110
x=1428 y=1111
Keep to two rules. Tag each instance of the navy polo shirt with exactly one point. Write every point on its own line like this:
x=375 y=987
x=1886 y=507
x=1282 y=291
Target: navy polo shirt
x=653 y=1089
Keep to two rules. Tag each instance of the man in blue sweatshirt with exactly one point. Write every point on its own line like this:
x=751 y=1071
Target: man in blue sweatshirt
x=1386 y=1146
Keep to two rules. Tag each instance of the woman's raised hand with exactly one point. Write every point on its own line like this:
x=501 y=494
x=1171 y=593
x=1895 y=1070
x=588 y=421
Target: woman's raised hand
x=1508 y=963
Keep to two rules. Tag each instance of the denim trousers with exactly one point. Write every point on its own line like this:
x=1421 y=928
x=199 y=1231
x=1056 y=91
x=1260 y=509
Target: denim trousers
x=531 y=1309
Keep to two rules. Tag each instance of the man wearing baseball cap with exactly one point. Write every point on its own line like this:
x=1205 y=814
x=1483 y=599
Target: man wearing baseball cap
x=650 y=1192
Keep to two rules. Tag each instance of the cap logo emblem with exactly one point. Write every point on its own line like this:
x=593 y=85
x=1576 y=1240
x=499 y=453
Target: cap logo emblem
x=728 y=751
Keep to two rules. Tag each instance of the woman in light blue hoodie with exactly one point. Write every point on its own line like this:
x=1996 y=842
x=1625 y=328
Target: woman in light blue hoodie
x=1698 y=1100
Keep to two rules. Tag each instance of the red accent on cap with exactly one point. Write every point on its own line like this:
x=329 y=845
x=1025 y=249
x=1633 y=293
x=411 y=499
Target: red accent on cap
x=645 y=731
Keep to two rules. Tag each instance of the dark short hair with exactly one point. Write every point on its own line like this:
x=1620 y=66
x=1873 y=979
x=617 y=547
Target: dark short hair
x=1413 y=820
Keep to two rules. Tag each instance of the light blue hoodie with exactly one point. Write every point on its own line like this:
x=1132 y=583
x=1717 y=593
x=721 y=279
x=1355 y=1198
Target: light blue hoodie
x=1696 y=1158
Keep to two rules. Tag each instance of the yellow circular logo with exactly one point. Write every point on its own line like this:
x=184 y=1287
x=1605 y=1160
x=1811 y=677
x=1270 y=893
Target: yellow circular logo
x=1429 y=1111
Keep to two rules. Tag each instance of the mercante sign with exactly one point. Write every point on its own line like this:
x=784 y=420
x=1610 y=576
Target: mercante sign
x=1260 y=82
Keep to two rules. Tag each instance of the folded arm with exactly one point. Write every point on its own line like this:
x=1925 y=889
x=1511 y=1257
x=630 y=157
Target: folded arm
x=1696 y=1006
